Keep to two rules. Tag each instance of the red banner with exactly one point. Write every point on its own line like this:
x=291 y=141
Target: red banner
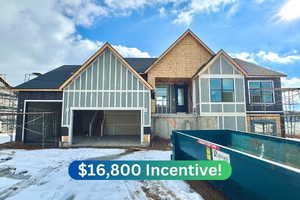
x=208 y=144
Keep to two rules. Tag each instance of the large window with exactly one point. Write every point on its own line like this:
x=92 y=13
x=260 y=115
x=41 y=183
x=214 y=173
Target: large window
x=221 y=90
x=261 y=91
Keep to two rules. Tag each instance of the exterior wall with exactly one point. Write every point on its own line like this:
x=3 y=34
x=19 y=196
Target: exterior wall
x=277 y=106
x=106 y=84
x=275 y=117
x=22 y=96
x=181 y=62
x=163 y=125
x=231 y=115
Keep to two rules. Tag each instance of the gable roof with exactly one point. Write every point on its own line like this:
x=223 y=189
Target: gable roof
x=256 y=70
x=221 y=52
x=140 y=64
x=94 y=56
x=49 y=81
x=247 y=68
x=188 y=32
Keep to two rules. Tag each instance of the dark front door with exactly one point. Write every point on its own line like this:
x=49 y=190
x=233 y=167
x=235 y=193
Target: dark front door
x=181 y=98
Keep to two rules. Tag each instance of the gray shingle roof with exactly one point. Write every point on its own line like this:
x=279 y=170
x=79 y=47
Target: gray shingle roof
x=255 y=70
x=50 y=80
x=55 y=78
x=140 y=64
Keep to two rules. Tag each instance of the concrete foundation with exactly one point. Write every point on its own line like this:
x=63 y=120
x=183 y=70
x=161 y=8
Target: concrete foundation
x=107 y=141
x=163 y=124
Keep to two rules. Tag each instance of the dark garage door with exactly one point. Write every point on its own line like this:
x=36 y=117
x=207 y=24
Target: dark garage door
x=42 y=123
x=122 y=122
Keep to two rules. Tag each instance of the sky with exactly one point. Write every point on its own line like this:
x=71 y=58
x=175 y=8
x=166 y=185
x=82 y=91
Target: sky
x=38 y=36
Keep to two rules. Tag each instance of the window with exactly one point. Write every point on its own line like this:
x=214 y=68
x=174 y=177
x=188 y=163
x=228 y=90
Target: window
x=221 y=90
x=180 y=97
x=162 y=96
x=266 y=127
x=261 y=91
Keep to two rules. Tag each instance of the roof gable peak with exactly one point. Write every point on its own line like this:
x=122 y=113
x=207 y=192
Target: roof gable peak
x=94 y=56
x=187 y=32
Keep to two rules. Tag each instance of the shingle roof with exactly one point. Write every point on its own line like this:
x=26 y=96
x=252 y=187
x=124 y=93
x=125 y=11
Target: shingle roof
x=255 y=70
x=55 y=78
x=140 y=64
x=50 y=80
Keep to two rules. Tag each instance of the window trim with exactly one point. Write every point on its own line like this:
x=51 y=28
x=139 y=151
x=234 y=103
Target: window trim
x=273 y=92
x=222 y=91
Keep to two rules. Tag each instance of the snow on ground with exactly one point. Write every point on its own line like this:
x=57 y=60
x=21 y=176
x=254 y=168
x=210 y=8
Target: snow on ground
x=4 y=138
x=43 y=174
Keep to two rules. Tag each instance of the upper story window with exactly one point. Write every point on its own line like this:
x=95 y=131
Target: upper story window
x=261 y=92
x=221 y=90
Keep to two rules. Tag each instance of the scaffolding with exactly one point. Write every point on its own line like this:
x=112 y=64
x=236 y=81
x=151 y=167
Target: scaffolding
x=8 y=104
x=289 y=103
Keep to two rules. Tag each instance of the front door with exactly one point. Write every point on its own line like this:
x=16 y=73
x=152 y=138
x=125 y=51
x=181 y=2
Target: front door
x=181 y=98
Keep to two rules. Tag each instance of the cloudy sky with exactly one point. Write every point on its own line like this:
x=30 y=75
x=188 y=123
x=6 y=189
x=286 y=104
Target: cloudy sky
x=37 y=36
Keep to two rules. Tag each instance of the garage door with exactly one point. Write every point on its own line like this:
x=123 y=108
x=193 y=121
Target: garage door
x=122 y=122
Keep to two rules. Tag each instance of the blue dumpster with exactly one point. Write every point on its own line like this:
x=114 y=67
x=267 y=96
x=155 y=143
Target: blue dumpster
x=263 y=167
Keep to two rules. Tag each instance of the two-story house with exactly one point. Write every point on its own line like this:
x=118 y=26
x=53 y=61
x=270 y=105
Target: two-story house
x=189 y=86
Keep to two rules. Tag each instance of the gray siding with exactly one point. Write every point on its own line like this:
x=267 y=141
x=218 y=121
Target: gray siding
x=231 y=115
x=106 y=84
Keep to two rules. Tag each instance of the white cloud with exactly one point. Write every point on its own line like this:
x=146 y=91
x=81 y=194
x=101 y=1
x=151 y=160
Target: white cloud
x=250 y=57
x=162 y=12
x=291 y=83
x=271 y=57
x=275 y=57
x=290 y=10
x=195 y=7
x=83 y=12
x=233 y=10
x=37 y=36
x=131 y=52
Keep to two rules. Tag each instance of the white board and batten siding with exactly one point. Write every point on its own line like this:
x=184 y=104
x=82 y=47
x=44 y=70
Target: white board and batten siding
x=106 y=84
x=231 y=115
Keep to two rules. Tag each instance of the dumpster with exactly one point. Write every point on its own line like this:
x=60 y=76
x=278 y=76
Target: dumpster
x=263 y=167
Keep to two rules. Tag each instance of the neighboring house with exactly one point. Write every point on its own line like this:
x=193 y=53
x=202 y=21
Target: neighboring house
x=8 y=104
x=187 y=87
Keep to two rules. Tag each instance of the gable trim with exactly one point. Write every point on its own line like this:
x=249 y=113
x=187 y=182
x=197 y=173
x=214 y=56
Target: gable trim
x=227 y=57
x=176 y=42
x=94 y=56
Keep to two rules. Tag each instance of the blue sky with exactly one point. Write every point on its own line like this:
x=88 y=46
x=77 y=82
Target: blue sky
x=39 y=36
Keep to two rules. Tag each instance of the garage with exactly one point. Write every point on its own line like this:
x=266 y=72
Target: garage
x=106 y=101
x=42 y=123
x=106 y=127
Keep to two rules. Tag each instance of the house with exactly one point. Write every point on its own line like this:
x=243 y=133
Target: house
x=188 y=87
x=8 y=104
